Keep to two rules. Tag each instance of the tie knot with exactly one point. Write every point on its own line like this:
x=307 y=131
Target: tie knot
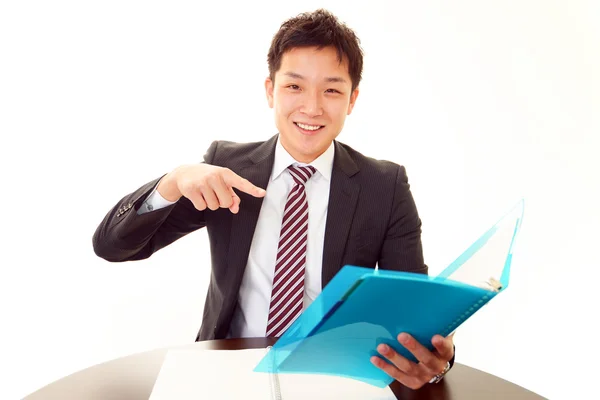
x=301 y=174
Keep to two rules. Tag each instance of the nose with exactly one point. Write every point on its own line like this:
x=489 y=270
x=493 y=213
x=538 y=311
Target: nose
x=312 y=104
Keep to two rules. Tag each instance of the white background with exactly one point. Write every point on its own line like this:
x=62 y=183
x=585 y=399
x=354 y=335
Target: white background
x=484 y=102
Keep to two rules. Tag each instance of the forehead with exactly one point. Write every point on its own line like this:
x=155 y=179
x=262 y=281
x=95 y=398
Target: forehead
x=314 y=63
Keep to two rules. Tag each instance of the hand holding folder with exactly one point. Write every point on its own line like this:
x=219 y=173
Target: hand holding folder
x=362 y=308
x=431 y=368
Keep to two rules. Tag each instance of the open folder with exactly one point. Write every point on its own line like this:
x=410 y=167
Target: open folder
x=362 y=307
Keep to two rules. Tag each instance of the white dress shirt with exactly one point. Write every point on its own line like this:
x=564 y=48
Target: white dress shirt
x=250 y=316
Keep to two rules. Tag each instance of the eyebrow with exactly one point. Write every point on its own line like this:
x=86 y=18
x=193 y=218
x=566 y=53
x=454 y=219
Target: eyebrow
x=330 y=79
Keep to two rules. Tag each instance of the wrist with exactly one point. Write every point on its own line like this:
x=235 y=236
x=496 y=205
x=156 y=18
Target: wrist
x=167 y=187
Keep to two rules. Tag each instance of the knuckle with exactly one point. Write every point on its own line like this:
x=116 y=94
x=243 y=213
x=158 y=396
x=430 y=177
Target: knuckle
x=211 y=180
x=224 y=172
x=186 y=186
x=202 y=184
x=216 y=177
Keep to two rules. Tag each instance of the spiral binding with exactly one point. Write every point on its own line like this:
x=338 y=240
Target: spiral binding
x=274 y=379
x=492 y=285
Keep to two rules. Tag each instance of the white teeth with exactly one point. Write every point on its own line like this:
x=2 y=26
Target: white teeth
x=308 y=127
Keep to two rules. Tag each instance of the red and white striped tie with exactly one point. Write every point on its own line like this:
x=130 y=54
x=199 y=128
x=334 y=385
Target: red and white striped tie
x=288 y=283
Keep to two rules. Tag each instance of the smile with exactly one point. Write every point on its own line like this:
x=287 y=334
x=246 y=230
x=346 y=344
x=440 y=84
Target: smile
x=308 y=128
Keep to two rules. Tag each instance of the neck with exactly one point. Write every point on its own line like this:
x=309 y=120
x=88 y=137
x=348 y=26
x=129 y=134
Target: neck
x=302 y=158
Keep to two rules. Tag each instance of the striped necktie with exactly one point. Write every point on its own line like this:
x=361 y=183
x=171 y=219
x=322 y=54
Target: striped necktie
x=288 y=282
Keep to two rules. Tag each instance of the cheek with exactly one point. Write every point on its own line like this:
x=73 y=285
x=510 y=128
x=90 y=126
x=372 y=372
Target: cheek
x=337 y=111
x=284 y=103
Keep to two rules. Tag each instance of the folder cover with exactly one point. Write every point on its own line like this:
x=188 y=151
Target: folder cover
x=363 y=307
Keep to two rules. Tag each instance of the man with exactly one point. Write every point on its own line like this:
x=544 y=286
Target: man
x=325 y=204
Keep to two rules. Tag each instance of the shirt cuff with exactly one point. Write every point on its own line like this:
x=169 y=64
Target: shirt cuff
x=154 y=202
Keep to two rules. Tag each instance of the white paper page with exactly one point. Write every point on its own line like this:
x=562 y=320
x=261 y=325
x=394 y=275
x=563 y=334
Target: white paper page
x=211 y=374
x=228 y=374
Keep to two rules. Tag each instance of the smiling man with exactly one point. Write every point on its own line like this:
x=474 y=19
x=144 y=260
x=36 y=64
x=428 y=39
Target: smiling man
x=284 y=215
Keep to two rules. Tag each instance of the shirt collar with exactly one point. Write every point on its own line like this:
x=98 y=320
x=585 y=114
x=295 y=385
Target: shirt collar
x=323 y=164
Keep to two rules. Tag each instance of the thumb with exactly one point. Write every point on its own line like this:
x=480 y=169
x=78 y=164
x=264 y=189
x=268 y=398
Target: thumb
x=444 y=346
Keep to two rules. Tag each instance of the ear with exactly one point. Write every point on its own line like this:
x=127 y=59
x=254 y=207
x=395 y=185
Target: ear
x=353 y=97
x=269 y=91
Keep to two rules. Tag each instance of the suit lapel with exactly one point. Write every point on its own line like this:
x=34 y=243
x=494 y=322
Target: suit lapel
x=343 y=196
x=257 y=171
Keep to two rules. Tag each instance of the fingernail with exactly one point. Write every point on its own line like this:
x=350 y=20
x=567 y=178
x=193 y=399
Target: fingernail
x=383 y=349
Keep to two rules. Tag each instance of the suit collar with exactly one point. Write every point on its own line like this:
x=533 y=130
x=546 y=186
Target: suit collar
x=323 y=164
x=341 y=159
x=344 y=161
x=264 y=151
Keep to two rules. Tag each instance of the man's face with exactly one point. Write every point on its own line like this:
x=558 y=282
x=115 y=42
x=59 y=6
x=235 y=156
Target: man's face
x=311 y=96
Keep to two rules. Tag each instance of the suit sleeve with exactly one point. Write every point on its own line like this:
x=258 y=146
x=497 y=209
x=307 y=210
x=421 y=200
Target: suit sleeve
x=125 y=235
x=402 y=249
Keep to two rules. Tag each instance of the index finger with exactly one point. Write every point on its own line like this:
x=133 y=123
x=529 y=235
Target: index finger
x=243 y=184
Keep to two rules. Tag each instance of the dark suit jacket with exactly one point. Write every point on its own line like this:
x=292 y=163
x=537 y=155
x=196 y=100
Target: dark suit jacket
x=371 y=218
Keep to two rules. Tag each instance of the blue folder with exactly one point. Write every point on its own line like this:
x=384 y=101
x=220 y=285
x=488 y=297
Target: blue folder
x=362 y=307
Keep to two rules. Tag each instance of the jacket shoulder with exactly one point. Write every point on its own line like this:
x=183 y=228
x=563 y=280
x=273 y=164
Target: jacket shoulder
x=223 y=152
x=372 y=167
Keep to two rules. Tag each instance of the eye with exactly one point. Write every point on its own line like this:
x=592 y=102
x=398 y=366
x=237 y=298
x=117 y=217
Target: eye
x=333 y=91
x=294 y=87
